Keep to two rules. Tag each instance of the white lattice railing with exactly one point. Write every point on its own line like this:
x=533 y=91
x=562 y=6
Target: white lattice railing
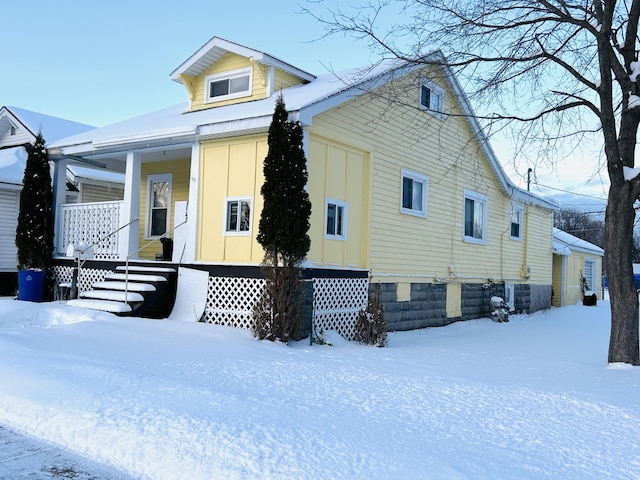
x=336 y=303
x=89 y=222
x=87 y=277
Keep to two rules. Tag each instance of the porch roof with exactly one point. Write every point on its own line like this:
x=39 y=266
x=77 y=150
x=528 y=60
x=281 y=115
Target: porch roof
x=564 y=243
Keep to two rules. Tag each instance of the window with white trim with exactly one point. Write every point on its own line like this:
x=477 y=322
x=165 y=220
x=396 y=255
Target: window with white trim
x=336 y=219
x=475 y=217
x=517 y=213
x=237 y=215
x=228 y=85
x=158 y=204
x=590 y=274
x=431 y=97
x=413 y=199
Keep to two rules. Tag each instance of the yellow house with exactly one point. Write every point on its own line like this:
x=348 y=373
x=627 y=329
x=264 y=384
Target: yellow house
x=405 y=188
x=577 y=269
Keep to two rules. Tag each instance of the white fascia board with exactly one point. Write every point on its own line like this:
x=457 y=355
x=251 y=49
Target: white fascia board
x=10 y=186
x=145 y=137
x=235 y=127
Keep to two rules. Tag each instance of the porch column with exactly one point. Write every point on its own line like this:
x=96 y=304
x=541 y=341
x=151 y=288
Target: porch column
x=128 y=238
x=59 y=197
x=191 y=240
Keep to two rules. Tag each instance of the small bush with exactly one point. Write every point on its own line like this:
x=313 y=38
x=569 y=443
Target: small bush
x=371 y=327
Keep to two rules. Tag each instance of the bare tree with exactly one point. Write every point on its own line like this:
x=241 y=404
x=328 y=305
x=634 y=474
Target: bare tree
x=554 y=72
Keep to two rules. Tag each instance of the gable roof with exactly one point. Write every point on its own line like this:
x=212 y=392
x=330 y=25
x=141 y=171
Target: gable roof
x=12 y=164
x=216 y=47
x=175 y=125
x=564 y=243
x=52 y=128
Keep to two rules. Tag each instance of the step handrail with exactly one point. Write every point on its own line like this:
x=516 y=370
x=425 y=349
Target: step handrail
x=81 y=261
x=126 y=263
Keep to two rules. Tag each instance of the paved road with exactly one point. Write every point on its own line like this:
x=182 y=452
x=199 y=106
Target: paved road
x=24 y=457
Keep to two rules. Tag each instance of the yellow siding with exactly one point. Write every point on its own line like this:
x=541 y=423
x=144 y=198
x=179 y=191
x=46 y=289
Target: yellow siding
x=338 y=172
x=445 y=150
x=179 y=170
x=230 y=168
x=556 y=285
x=229 y=62
x=574 y=271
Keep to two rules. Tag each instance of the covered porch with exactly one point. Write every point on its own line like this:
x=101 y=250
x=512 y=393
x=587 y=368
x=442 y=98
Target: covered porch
x=160 y=185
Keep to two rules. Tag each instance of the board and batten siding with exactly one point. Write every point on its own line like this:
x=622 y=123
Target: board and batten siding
x=9 y=208
x=179 y=170
x=230 y=168
x=404 y=247
x=338 y=172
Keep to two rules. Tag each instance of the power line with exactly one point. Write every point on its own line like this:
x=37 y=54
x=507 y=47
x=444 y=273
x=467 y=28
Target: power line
x=572 y=193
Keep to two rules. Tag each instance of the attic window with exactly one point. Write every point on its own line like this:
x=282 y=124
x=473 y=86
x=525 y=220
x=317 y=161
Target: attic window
x=12 y=130
x=431 y=97
x=228 y=85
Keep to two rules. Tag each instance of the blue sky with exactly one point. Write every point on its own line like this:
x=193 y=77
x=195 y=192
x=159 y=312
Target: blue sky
x=100 y=62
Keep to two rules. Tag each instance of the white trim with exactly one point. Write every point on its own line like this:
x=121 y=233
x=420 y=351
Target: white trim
x=237 y=233
x=435 y=91
x=593 y=281
x=476 y=197
x=157 y=178
x=519 y=209
x=424 y=181
x=229 y=75
x=345 y=218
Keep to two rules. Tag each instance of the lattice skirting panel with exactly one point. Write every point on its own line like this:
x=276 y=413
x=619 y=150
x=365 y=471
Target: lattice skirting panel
x=336 y=303
x=86 y=278
x=230 y=301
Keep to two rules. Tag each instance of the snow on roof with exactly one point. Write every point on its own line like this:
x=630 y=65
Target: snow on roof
x=12 y=164
x=52 y=128
x=96 y=174
x=565 y=241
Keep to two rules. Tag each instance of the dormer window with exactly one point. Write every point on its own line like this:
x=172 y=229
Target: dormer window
x=228 y=85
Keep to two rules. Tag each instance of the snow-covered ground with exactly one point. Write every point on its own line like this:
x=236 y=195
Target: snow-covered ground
x=529 y=399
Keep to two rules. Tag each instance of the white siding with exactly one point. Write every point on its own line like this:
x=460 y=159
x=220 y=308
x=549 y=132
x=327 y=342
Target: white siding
x=9 y=205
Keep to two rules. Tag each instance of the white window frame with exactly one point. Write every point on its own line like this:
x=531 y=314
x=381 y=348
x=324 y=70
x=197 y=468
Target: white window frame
x=237 y=233
x=416 y=178
x=151 y=179
x=436 y=98
x=591 y=282
x=230 y=75
x=481 y=199
x=516 y=210
x=339 y=204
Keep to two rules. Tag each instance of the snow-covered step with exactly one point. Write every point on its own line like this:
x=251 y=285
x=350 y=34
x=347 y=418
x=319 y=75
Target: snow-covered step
x=103 y=305
x=129 y=286
x=135 y=277
x=141 y=268
x=116 y=296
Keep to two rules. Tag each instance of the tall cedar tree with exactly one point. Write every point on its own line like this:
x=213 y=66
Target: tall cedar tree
x=34 y=233
x=284 y=224
x=283 y=229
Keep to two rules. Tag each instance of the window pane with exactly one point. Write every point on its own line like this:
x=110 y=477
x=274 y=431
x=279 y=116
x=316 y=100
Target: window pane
x=417 y=196
x=515 y=230
x=339 y=220
x=468 y=217
x=160 y=194
x=158 y=221
x=244 y=216
x=232 y=216
x=219 y=88
x=478 y=219
x=407 y=192
x=331 y=219
x=425 y=96
x=240 y=84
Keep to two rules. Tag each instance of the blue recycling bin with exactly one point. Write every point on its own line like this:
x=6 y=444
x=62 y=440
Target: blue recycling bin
x=31 y=285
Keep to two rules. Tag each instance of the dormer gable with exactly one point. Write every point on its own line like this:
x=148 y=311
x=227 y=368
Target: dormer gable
x=223 y=72
x=12 y=132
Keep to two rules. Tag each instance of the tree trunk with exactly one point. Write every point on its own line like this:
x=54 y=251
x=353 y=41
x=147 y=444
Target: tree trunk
x=623 y=342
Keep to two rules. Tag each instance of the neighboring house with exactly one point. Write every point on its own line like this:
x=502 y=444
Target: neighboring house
x=575 y=260
x=18 y=128
x=408 y=194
